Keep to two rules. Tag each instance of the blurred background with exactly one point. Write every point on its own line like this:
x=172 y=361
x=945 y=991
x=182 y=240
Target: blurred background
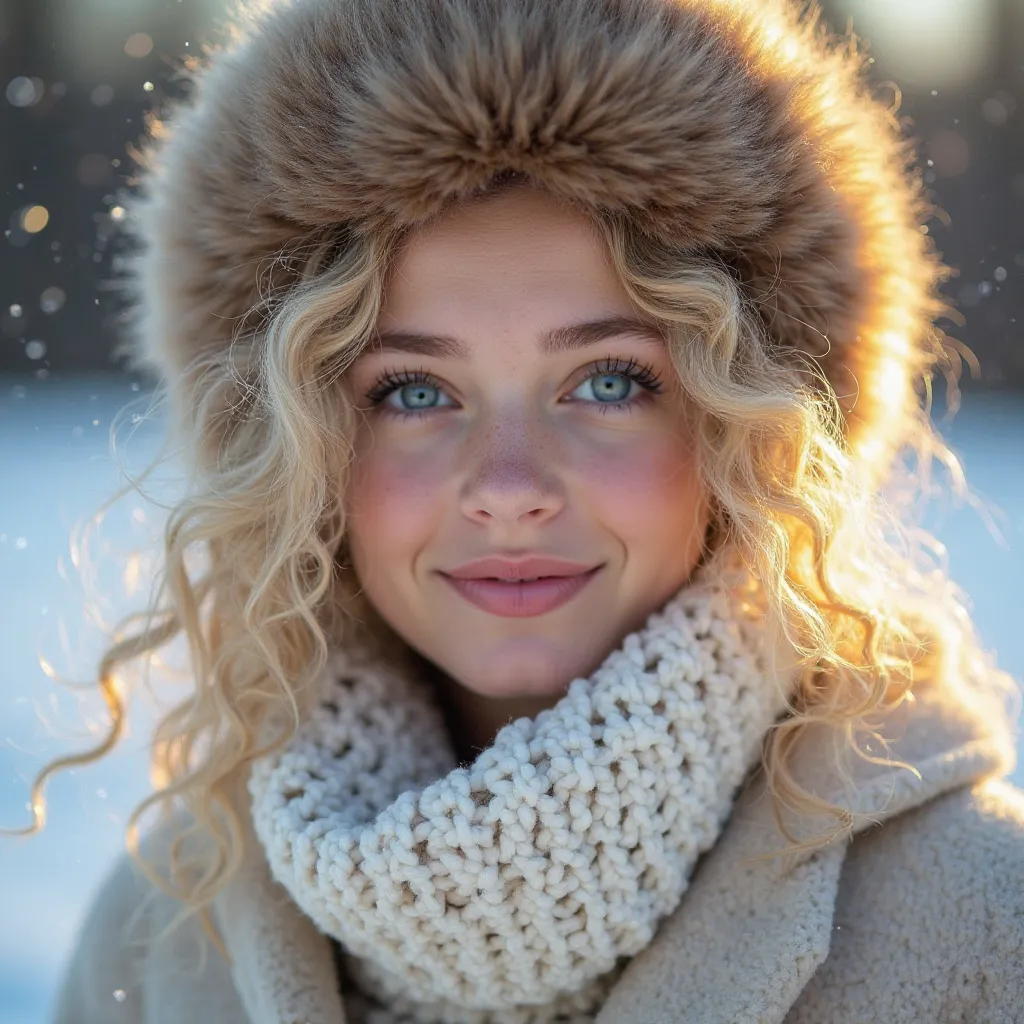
x=77 y=77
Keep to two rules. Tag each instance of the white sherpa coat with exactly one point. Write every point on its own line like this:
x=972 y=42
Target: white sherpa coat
x=917 y=920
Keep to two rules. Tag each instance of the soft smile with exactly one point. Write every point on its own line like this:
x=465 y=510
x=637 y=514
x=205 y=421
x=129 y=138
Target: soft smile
x=520 y=598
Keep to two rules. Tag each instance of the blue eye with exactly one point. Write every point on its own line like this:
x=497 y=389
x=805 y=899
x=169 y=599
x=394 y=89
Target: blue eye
x=408 y=393
x=609 y=387
x=418 y=396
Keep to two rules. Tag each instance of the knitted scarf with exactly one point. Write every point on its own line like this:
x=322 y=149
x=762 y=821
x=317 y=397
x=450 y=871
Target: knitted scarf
x=515 y=888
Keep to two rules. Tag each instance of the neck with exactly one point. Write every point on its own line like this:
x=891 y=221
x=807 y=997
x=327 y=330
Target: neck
x=473 y=719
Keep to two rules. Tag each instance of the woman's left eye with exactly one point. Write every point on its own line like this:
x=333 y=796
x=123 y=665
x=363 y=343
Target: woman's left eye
x=611 y=385
x=606 y=387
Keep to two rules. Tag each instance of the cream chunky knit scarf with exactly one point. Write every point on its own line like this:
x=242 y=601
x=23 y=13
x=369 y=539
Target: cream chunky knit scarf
x=514 y=889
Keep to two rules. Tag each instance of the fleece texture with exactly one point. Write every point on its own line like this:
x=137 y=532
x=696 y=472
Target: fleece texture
x=918 y=919
x=512 y=890
x=738 y=130
x=955 y=868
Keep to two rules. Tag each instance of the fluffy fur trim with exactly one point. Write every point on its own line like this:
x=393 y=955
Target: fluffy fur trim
x=738 y=127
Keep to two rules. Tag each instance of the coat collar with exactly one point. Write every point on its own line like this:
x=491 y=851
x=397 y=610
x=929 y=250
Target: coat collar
x=750 y=931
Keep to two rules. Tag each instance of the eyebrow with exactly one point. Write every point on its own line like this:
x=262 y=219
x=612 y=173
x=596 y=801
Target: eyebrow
x=554 y=341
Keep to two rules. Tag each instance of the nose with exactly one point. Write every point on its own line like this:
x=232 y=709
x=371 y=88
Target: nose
x=513 y=482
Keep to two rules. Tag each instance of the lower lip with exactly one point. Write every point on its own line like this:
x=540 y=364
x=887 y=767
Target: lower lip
x=521 y=600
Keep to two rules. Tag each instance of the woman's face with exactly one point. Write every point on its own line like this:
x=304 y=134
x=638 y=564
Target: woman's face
x=516 y=405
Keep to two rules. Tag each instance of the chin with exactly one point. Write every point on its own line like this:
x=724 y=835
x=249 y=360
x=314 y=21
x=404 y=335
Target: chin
x=524 y=667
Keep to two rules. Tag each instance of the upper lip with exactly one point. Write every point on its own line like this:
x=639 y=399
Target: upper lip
x=526 y=568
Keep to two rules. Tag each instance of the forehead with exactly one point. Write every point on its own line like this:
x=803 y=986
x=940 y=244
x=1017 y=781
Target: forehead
x=519 y=260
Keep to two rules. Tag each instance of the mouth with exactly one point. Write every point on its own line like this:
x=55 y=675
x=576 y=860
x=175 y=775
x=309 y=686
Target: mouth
x=520 y=598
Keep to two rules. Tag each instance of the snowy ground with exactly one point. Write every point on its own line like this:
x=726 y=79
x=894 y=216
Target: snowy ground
x=56 y=469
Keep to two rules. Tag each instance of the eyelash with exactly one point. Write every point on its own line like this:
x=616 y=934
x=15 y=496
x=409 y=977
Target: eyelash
x=642 y=373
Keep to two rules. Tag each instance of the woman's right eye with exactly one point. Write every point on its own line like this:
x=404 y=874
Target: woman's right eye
x=408 y=394
x=417 y=396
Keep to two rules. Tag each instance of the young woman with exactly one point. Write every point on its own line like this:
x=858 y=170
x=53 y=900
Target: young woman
x=542 y=368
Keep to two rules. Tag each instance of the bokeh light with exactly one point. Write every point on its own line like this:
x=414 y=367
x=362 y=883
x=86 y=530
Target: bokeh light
x=25 y=92
x=102 y=95
x=938 y=43
x=52 y=299
x=139 y=45
x=34 y=219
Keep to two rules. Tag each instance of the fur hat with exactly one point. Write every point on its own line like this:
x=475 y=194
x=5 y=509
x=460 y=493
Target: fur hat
x=733 y=127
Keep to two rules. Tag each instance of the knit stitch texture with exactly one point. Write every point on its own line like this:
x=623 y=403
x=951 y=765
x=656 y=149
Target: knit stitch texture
x=517 y=887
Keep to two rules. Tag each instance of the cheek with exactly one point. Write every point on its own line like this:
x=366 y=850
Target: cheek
x=648 y=494
x=393 y=504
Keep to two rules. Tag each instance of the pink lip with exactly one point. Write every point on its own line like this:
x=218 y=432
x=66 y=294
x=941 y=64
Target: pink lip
x=560 y=582
x=518 y=568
